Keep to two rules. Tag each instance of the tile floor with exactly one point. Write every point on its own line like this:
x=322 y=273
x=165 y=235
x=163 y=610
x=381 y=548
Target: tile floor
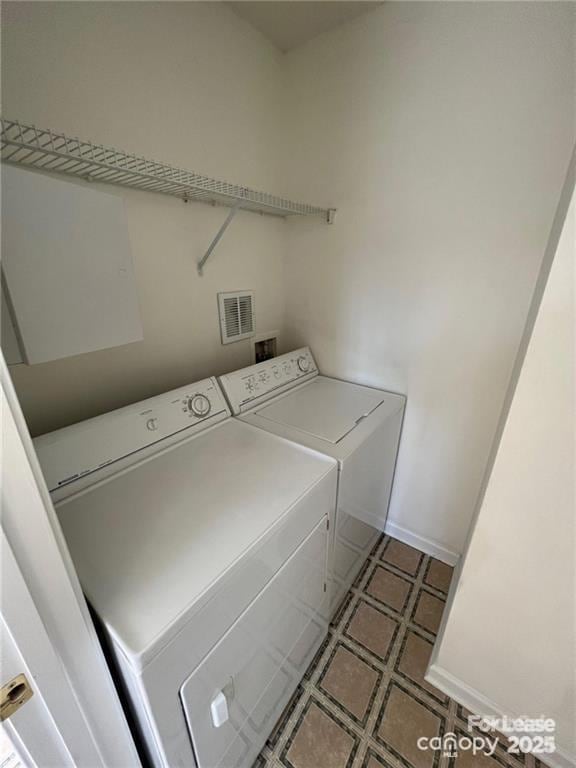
x=364 y=701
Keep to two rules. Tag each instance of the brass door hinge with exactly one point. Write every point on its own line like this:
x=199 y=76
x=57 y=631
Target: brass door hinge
x=13 y=695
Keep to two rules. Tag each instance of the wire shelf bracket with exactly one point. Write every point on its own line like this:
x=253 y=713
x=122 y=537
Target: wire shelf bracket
x=231 y=213
x=48 y=150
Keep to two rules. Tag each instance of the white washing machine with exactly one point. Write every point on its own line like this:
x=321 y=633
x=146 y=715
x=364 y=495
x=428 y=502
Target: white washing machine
x=201 y=544
x=357 y=425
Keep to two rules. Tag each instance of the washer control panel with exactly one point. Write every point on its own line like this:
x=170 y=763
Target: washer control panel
x=72 y=453
x=257 y=383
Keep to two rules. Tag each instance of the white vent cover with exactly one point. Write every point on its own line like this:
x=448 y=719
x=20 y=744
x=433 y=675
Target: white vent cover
x=236 y=315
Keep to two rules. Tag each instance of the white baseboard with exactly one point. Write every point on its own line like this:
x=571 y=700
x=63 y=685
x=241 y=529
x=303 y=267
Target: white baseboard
x=428 y=546
x=478 y=704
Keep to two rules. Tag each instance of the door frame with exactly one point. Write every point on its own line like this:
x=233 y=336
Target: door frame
x=49 y=729
x=35 y=540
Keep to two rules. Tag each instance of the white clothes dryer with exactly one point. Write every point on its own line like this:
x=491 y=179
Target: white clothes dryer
x=201 y=544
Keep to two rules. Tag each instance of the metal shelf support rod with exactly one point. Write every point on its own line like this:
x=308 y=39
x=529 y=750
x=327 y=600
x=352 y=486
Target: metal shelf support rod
x=231 y=213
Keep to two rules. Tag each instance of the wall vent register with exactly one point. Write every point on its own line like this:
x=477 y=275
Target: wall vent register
x=236 y=311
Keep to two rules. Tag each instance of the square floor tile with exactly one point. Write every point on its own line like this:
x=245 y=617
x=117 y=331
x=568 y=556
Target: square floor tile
x=402 y=556
x=372 y=629
x=427 y=612
x=403 y=719
x=350 y=682
x=480 y=760
x=503 y=741
x=465 y=758
x=320 y=740
x=388 y=588
x=374 y=760
x=438 y=575
x=413 y=660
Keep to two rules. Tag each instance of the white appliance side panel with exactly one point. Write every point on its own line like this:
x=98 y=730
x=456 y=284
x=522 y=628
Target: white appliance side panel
x=68 y=266
x=253 y=660
x=325 y=408
x=163 y=676
x=367 y=474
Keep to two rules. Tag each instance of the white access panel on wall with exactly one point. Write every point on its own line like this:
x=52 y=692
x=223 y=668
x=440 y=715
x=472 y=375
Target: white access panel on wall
x=68 y=267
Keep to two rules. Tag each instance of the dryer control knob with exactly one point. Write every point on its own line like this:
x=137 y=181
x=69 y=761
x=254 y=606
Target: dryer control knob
x=303 y=363
x=199 y=405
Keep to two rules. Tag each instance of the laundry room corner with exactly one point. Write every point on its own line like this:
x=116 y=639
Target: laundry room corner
x=287 y=376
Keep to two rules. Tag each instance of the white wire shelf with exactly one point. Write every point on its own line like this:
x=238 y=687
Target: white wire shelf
x=51 y=151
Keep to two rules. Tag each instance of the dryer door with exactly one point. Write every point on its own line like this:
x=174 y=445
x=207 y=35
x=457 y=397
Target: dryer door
x=234 y=697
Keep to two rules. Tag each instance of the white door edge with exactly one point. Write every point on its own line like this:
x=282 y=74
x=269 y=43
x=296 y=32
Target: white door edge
x=35 y=538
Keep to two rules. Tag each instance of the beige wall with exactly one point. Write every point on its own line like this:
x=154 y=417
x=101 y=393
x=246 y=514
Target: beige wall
x=186 y=83
x=510 y=636
x=442 y=132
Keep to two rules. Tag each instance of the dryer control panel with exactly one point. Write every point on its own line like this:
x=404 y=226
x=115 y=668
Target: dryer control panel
x=71 y=454
x=254 y=385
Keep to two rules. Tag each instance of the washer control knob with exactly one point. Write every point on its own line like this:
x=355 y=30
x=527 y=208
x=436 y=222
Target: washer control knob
x=152 y=425
x=303 y=363
x=199 y=405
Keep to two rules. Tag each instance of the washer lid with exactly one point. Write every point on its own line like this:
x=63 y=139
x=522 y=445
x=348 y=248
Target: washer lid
x=326 y=408
x=152 y=541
